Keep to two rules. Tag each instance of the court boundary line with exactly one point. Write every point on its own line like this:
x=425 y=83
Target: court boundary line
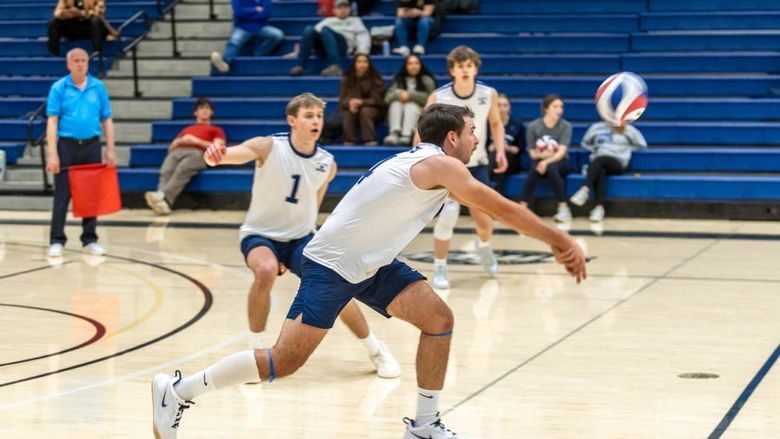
x=745 y=395
x=33 y=270
x=574 y=331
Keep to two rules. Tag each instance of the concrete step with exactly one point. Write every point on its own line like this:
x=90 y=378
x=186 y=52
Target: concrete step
x=164 y=67
x=34 y=160
x=202 y=48
x=131 y=131
x=195 y=11
x=25 y=202
x=141 y=108
x=200 y=29
x=149 y=87
x=31 y=185
x=19 y=174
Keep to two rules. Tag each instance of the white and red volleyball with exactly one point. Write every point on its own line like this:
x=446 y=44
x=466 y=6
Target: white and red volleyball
x=546 y=143
x=621 y=98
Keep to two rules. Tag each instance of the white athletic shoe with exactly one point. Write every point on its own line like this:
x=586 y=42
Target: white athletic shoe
x=386 y=364
x=487 y=259
x=580 y=197
x=95 y=249
x=440 y=279
x=563 y=215
x=432 y=430
x=418 y=49
x=156 y=201
x=597 y=214
x=219 y=63
x=56 y=250
x=402 y=50
x=167 y=406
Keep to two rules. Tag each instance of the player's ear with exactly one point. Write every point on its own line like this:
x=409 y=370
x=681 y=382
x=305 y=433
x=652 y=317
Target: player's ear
x=291 y=121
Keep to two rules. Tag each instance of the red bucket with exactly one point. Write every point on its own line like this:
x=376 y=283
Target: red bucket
x=94 y=189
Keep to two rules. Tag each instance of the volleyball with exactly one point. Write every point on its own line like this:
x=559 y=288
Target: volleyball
x=546 y=143
x=621 y=98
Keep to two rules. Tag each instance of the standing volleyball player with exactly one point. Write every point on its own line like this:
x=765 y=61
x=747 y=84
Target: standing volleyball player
x=464 y=90
x=348 y=258
x=291 y=177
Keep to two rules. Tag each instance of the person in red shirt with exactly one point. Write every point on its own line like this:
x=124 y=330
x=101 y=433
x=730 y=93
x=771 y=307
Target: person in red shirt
x=185 y=157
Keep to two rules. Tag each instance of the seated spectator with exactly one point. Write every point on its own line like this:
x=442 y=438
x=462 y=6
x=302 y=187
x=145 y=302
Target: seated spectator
x=548 y=141
x=251 y=32
x=185 y=157
x=406 y=97
x=411 y=15
x=337 y=36
x=360 y=100
x=610 y=151
x=514 y=135
x=80 y=20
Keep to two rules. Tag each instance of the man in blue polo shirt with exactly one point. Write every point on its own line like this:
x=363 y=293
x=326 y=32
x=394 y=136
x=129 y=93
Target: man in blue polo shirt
x=76 y=108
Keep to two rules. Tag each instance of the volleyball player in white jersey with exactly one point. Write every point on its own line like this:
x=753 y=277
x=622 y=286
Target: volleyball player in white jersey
x=353 y=255
x=464 y=90
x=291 y=177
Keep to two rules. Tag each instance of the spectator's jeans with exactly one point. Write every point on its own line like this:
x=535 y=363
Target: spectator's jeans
x=75 y=29
x=556 y=173
x=71 y=153
x=334 y=45
x=178 y=168
x=263 y=41
x=403 y=25
x=402 y=117
x=598 y=169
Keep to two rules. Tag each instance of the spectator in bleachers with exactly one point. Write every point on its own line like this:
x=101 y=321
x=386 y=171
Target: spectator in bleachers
x=185 y=157
x=413 y=15
x=406 y=97
x=337 y=36
x=514 y=135
x=361 y=99
x=77 y=108
x=610 y=152
x=547 y=139
x=80 y=20
x=250 y=31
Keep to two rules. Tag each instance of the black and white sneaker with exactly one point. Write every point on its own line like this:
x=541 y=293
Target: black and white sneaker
x=432 y=430
x=167 y=406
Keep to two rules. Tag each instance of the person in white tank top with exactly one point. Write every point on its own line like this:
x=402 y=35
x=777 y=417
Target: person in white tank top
x=464 y=90
x=353 y=256
x=291 y=177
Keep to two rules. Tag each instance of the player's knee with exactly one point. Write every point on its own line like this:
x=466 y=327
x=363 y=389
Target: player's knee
x=441 y=320
x=265 y=271
x=447 y=220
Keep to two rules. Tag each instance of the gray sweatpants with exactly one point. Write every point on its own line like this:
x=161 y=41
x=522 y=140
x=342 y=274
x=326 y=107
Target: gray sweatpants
x=180 y=165
x=403 y=117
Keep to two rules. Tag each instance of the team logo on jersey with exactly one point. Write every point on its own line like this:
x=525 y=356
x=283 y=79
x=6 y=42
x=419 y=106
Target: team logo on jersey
x=482 y=100
x=505 y=257
x=321 y=166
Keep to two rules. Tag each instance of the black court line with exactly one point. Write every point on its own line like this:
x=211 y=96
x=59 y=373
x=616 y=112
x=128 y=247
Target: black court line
x=458 y=230
x=208 y=300
x=743 y=397
x=32 y=270
x=100 y=331
x=574 y=331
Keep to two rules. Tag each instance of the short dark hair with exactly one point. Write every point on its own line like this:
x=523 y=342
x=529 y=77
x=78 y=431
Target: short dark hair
x=202 y=102
x=462 y=54
x=439 y=119
x=549 y=99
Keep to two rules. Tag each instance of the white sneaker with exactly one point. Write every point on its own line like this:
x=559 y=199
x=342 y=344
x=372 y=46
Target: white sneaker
x=440 y=279
x=597 y=214
x=219 y=63
x=418 y=49
x=56 y=250
x=156 y=201
x=94 y=248
x=563 y=215
x=432 y=430
x=487 y=259
x=580 y=197
x=167 y=406
x=386 y=364
x=403 y=51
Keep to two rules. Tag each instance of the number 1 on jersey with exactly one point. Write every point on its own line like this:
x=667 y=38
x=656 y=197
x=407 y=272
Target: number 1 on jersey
x=296 y=181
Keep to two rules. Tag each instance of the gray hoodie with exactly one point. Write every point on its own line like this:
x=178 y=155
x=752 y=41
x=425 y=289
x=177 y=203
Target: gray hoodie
x=352 y=29
x=601 y=140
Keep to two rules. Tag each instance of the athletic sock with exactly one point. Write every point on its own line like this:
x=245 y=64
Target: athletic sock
x=371 y=343
x=483 y=244
x=256 y=340
x=439 y=262
x=234 y=369
x=427 y=406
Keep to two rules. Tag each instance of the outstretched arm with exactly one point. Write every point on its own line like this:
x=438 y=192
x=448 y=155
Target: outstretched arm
x=324 y=188
x=451 y=174
x=256 y=148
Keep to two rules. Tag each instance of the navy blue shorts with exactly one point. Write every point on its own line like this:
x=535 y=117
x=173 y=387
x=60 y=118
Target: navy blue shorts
x=288 y=253
x=481 y=173
x=324 y=293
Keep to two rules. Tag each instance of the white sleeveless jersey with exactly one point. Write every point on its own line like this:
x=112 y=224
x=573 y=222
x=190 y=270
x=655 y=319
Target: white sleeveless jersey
x=284 y=193
x=377 y=218
x=479 y=102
